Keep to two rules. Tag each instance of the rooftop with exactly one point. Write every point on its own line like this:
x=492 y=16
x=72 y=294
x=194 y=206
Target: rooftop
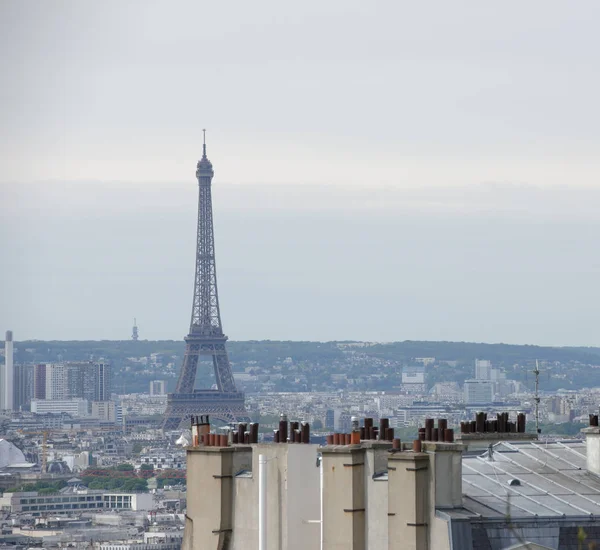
x=531 y=479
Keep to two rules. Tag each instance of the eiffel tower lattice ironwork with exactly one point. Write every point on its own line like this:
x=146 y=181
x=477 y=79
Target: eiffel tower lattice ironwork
x=206 y=336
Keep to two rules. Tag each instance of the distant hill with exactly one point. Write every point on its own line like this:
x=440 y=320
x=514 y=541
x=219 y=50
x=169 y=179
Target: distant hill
x=271 y=351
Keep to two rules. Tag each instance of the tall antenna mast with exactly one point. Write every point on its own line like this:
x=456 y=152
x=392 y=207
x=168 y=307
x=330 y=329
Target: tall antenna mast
x=536 y=372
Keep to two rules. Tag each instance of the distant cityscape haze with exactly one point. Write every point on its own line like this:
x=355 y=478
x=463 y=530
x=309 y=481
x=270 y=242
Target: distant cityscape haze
x=405 y=172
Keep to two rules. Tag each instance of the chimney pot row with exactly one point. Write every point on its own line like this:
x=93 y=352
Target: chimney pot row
x=441 y=433
x=501 y=424
x=365 y=432
x=291 y=432
x=202 y=436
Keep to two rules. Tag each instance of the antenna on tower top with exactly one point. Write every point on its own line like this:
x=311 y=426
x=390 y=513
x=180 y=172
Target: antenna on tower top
x=204 y=141
x=536 y=372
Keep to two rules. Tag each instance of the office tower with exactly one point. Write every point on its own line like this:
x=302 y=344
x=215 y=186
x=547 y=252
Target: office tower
x=483 y=369
x=39 y=381
x=157 y=387
x=87 y=380
x=50 y=381
x=103 y=381
x=206 y=336
x=56 y=382
x=81 y=380
x=23 y=387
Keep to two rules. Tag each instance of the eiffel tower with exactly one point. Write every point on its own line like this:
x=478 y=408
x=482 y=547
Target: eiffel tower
x=206 y=336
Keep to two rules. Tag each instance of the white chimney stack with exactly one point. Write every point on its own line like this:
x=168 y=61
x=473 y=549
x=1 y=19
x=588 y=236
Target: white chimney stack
x=8 y=374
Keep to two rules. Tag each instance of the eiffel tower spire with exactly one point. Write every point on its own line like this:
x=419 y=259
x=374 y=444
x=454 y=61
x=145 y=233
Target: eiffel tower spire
x=206 y=332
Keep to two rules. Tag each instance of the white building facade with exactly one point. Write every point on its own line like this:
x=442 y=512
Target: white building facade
x=478 y=391
x=74 y=407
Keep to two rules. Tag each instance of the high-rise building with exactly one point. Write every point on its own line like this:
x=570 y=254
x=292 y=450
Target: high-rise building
x=134 y=331
x=7 y=374
x=87 y=380
x=330 y=419
x=39 y=381
x=81 y=380
x=483 y=369
x=56 y=382
x=103 y=381
x=157 y=387
x=23 y=387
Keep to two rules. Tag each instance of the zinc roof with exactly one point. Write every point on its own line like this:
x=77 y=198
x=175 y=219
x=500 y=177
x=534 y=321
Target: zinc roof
x=528 y=479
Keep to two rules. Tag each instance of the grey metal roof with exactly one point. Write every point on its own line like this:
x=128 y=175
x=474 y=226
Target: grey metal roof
x=551 y=481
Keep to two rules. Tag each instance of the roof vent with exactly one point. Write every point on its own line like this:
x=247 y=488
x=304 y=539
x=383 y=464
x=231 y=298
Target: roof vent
x=514 y=482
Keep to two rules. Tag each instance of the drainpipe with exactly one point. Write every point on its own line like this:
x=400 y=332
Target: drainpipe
x=321 y=490
x=262 y=502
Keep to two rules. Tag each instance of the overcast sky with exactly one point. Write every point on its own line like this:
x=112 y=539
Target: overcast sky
x=384 y=170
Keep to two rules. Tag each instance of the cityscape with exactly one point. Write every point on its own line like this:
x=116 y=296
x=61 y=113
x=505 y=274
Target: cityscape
x=399 y=350
x=85 y=455
x=100 y=441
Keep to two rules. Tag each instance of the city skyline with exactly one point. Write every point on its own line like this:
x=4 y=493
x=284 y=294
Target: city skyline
x=399 y=201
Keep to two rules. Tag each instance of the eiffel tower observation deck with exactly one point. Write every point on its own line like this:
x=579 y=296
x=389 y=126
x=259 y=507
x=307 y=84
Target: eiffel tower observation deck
x=206 y=336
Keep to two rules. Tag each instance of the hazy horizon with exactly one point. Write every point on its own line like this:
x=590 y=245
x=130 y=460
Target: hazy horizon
x=489 y=263
x=383 y=172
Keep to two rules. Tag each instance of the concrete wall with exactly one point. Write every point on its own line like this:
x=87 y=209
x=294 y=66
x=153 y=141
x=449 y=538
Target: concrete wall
x=210 y=471
x=376 y=494
x=344 y=498
x=293 y=497
x=245 y=509
x=303 y=498
x=409 y=496
x=445 y=488
x=418 y=485
x=446 y=473
x=222 y=497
